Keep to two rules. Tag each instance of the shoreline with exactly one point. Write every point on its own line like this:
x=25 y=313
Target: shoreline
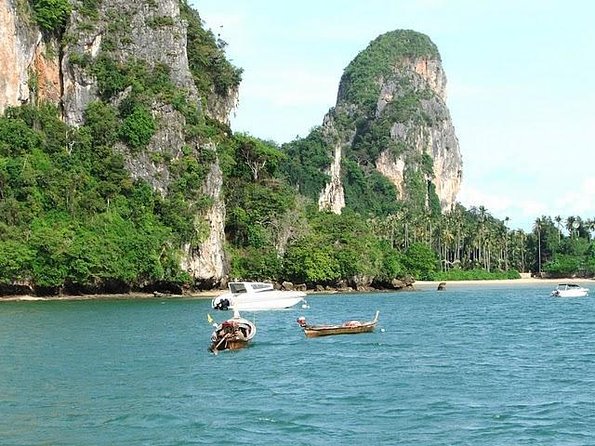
x=420 y=285
x=425 y=285
x=203 y=295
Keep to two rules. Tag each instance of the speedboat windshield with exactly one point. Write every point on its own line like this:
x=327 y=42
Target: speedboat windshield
x=566 y=286
x=237 y=287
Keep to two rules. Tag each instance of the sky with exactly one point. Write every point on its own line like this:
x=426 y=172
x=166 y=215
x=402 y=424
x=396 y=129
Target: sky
x=521 y=85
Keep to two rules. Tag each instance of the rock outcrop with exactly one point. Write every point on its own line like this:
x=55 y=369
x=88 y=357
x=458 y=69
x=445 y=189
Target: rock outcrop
x=29 y=68
x=391 y=117
x=206 y=261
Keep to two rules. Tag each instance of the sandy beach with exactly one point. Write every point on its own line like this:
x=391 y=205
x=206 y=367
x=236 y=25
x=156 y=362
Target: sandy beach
x=426 y=285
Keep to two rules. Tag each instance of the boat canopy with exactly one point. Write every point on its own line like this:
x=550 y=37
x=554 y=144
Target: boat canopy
x=246 y=287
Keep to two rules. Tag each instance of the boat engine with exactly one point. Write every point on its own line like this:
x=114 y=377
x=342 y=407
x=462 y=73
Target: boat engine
x=223 y=304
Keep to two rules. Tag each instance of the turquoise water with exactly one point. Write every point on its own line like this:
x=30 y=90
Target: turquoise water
x=467 y=366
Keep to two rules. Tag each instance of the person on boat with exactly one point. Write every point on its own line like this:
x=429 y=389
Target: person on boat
x=240 y=334
x=225 y=329
x=302 y=321
x=352 y=324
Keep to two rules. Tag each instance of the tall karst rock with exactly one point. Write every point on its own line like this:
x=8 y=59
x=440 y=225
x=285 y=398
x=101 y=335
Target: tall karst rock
x=134 y=57
x=391 y=123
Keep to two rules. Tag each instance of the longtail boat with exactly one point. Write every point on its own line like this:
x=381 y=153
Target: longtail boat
x=232 y=334
x=349 y=327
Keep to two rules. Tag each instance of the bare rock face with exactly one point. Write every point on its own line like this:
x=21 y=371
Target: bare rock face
x=391 y=117
x=435 y=136
x=132 y=30
x=332 y=197
x=29 y=68
x=206 y=261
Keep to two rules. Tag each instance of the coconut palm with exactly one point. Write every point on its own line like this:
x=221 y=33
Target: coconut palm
x=537 y=230
x=558 y=221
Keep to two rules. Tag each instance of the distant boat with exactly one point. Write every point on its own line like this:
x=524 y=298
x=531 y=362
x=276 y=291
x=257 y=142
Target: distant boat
x=232 y=334
x=570 y=290
x=256 y=296
x=349 y=327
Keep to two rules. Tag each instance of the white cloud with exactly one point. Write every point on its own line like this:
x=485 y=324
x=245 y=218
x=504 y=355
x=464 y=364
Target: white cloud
x=522 y=210
x=531 y=203
x=578 y=201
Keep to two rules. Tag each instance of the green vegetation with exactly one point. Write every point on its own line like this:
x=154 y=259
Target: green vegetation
x=361 y=79
x=71 y=218
x=51 y=15
x=368 y=193
x=89 y=8
x=306 y=161
x=160 y=21
x=138 y=127
x=474 y=274
x=562 y=247
x=206 y=56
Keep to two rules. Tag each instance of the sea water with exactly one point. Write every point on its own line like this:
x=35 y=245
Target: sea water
x=489 y=365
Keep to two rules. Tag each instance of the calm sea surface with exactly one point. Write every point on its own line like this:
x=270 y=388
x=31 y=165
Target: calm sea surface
x=468 y=366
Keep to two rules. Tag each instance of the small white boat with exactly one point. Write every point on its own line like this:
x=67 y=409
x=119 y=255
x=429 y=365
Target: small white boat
x=570 y=290
x=256 y=296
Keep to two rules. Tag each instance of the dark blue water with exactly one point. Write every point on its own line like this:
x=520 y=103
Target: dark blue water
x=467 y=366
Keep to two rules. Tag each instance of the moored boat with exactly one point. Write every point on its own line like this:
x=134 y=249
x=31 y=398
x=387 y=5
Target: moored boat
x=232 y=334
x=256 y=296
x=570 y=290
x=349 y=327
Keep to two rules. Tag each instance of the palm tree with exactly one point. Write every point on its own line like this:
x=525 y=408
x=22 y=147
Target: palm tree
x=571 y=225
x=558 y=221
x=537 y=228
x=590 y=225
x=506 y=236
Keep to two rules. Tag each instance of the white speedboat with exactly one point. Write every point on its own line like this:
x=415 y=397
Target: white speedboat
x=256 y=296
x=570 y=290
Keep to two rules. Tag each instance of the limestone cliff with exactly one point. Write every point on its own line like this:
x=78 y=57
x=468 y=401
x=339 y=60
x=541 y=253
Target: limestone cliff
x=92 y=59
x=29 y=69
x=391 y=118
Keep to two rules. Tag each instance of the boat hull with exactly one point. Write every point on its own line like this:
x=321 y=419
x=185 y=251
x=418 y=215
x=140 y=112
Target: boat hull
x=570 y=290
x=314 y=332
x=258 y=301
x=350 y=327
x=232 y=344
x=570 y=293
x=255 y=304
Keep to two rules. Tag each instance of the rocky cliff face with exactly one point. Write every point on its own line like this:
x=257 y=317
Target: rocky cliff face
x=391 y=117
x=129 y=30
x=29 y=68
x=36 y=67
x=206 y=261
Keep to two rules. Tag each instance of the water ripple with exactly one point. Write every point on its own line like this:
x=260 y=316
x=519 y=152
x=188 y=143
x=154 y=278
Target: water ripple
x=468 y=366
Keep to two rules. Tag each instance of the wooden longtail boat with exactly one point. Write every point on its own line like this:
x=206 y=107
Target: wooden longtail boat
x=232 y=334
x=349 y=327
